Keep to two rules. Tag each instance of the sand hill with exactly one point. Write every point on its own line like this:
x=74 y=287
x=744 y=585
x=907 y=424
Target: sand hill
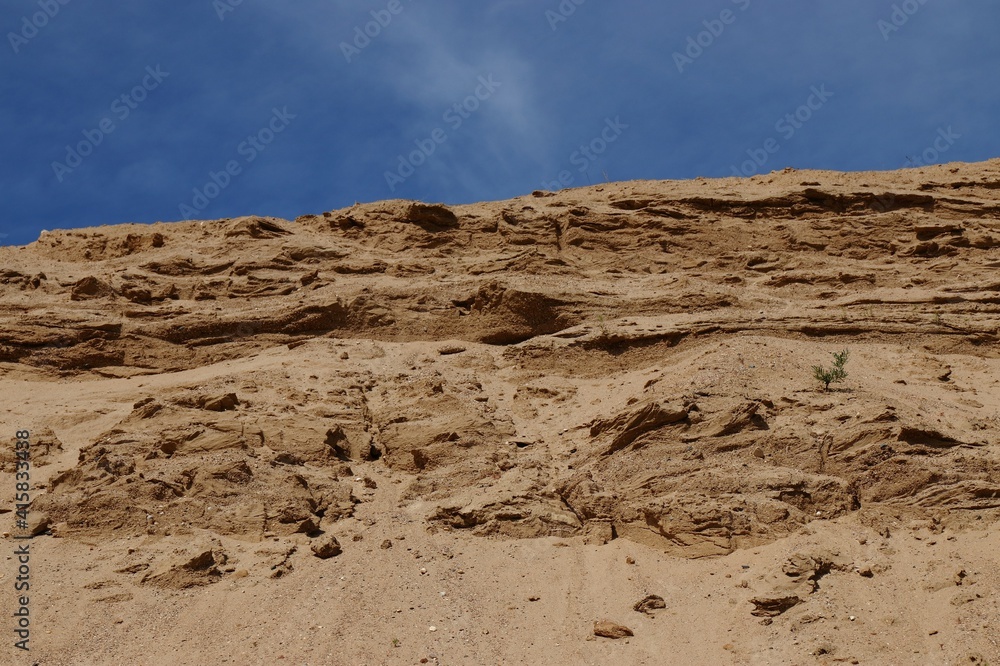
x=570 y=428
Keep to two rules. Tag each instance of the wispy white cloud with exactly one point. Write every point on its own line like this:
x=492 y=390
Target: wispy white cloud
x=429 y=71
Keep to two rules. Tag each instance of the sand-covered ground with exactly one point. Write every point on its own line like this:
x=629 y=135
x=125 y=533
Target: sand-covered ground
x=404 y=433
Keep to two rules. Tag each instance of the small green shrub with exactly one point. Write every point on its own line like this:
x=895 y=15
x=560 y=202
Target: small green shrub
x=832 y=375
x=605 y=332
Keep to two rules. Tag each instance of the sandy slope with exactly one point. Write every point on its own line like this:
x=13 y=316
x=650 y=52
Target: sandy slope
x=515 y=419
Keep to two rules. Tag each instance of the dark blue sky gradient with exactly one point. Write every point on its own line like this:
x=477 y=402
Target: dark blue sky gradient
x=557 y=90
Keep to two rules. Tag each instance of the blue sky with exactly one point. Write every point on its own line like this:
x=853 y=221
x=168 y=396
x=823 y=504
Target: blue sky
x=144 y=112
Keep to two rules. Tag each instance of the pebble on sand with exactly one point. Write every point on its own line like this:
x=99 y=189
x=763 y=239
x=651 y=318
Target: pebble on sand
x=609 y=629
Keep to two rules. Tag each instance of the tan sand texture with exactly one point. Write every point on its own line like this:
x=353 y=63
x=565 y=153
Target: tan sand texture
x=570 y=428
